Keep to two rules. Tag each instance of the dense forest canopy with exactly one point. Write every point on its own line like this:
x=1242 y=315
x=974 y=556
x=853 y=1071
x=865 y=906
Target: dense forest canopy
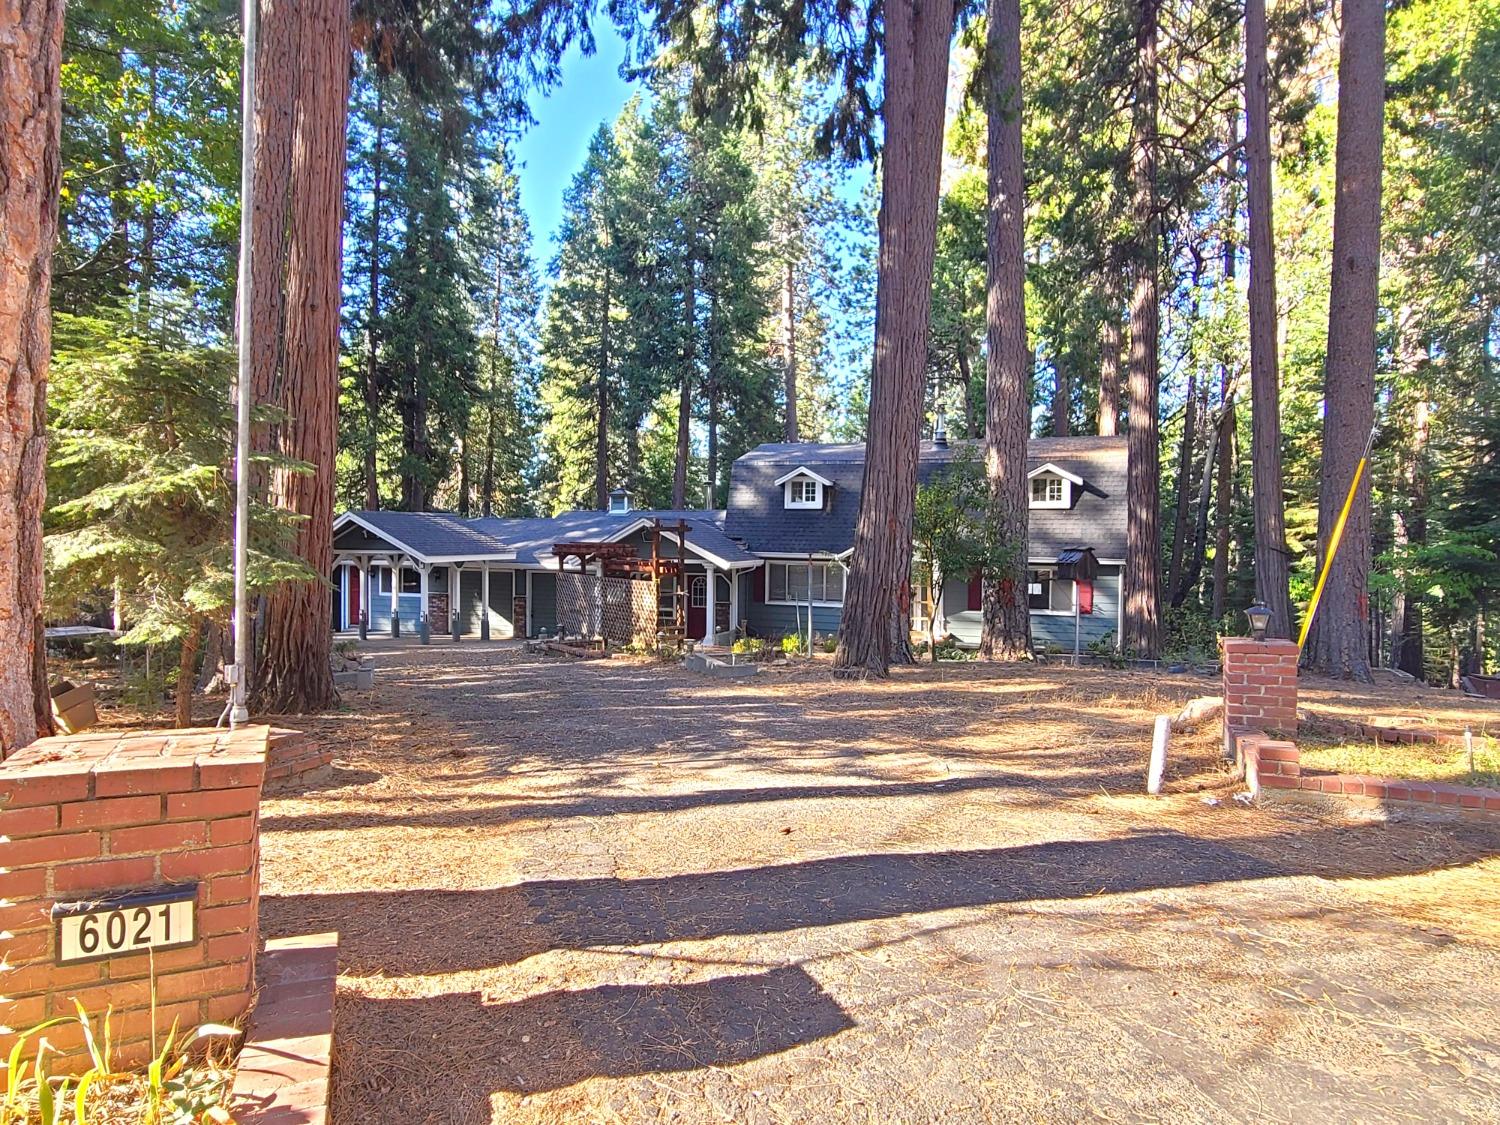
x=713 y=282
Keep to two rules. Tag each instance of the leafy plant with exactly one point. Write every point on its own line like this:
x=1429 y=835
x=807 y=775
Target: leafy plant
x=794 y=644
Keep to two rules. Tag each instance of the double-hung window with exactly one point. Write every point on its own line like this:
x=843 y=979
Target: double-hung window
x=411 y=581
x=1046 y=592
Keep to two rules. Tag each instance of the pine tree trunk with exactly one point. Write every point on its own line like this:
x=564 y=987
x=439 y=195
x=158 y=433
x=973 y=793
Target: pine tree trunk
x=295 y=676
x=685 y=388
x=877 y=610
x=1272 y=562
x=1185 y=456
x=1223 y=497
x=713 y=401
x=601 y=403
x=372 y=334
x=463 y=476
x=789 y=347
x=1410 y=519
x=1110 y=340
x=1339 y=642
x=1006 y=630
x=1142 y=615
x=966 y=376
x=187 y=664
x=30 y=176
x=1062 y=398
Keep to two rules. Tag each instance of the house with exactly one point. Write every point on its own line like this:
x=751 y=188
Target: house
x=778 y=554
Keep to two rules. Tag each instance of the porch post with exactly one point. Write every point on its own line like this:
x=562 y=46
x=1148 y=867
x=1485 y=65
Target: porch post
x=364 y=597
x=527 y=633
x=484 y=602
x=710 y=596
x=424 y=575
x=453 y=601
x=734 y=604
x=396 y=595
x=599 y=600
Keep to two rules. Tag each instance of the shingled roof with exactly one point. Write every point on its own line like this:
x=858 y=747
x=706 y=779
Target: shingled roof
x=757 y=518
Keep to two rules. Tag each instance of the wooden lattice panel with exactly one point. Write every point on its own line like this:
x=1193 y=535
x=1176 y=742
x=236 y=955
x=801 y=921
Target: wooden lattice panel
x=628 y=611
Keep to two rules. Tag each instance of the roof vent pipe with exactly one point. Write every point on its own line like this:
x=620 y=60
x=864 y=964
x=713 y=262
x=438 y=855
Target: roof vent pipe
x=708 y=494
x=940 y=428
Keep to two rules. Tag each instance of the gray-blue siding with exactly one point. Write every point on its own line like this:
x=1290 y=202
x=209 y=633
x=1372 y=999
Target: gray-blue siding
x=1046 y=628
x=543 y=601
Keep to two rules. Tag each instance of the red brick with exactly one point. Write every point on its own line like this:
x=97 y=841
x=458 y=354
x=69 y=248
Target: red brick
x=1470 y=801
x=1423 y=793
x=157 y=837
x=1445 y=794
x=197 y=983
x=106 y=874
x=130 y=776
x=212 y=804
x=47 y=977
x=23 y=884
x=228 y=948
x=238 y=830
x=215 y=920
x=49 y=849
x=32 y=946
x=113 y=812
x=208 y=861
x=236 y=772
x=1492 y=804
x=44 y=788
x=1280 y=752
x=1375 y=789
x=1398 y=792
x=28 y=915
x=23 y=1013
x=28 y=822
x=162 y=961
x=232 y=1007
x=230 y=888
x=1276 y=781
x=120 y=995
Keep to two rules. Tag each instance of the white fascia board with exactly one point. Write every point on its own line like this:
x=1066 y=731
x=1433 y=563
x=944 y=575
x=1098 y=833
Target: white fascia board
x=803 y=471
x=1056 y=470
x=350 y=517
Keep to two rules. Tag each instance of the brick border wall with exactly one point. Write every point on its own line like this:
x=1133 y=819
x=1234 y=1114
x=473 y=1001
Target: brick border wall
x=1260 y=684
x=293 y=759
x=1273 y=769
x=98 y=813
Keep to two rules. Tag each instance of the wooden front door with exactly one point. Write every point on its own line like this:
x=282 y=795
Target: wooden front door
x=697 y=612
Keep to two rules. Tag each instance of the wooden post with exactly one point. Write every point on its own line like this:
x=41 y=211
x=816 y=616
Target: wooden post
x=734 y=604
x=396 y=596
x=364 y=597
x=1158 y=754
x=453 y=602
x=425 y=578
x=709 y=598
x=484 y=602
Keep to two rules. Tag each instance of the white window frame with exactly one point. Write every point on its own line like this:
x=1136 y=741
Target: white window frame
x=698 y=593
x=1052 y=580
x=797 y=490
x=383 y=574
x=1050 y=485
x=1049 y=472
x=800 y=565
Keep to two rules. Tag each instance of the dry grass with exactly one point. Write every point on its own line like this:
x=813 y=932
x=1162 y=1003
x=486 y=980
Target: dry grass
x=1413 y=761
x=614 y=892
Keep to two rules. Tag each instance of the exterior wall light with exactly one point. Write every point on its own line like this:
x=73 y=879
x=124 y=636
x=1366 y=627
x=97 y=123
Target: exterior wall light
x=1260 y=620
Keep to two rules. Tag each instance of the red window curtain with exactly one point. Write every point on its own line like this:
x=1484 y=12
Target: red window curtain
x=976 y=592
x=1085 y=597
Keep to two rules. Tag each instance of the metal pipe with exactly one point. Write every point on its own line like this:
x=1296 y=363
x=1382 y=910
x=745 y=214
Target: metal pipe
x=239 y=712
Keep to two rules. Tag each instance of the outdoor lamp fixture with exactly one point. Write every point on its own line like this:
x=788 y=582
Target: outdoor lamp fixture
x=1260 y=620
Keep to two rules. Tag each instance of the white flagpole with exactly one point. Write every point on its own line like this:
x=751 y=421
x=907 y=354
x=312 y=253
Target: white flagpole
x=239 y=713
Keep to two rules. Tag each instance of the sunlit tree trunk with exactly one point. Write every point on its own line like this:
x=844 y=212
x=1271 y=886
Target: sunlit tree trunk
x=877 y=609
x=1142 y=615
x=371 y=387
x=1110 y=342
x=1272 y=563
x=1339 y=642
x=685 y=387
x=1006 y=631
x=295 y=674
x=789 y=347
x=30 y=176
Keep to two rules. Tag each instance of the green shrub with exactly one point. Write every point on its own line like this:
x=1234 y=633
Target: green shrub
x=794 y=644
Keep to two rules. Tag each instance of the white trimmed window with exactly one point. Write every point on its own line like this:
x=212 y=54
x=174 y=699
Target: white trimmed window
x=1046 y=593
x=803 y=492
x=788 y=583
x=1049 y=492
x=411 y=580
x=698 y=592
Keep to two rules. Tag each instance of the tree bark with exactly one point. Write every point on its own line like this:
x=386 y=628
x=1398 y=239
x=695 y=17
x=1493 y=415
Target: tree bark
x=1223 y=499
x=1185 y=455
x=1006 y=630
x=601 y=403
x=295 y=676
x=1142 y=616
x=30 y=177
x=1062 y=398
x=1409 y=513
x=187 y=664
x=1339 y=642
x=877 y=611
x=789 y=347
x=685 y=389
x=1272 y=561
x=372 y=387
x=1110 y=340
x=712 y=389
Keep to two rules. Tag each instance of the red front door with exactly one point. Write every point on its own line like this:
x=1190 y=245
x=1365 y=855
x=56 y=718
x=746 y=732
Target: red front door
x=351 y=579
x=697 y=614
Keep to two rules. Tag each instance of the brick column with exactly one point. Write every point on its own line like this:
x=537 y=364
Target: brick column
x=98 y=814
x=1260 y=685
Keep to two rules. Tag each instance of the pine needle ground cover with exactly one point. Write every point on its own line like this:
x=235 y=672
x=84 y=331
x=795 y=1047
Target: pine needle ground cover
x=615 y=891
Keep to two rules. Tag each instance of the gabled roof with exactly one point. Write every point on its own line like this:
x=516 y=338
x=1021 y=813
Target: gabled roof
x=758 y=519
x=1056 y=470
x=534 y=537
x=428 y=537
x=803 y=471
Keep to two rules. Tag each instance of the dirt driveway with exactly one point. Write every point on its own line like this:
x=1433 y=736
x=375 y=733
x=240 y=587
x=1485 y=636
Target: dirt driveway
x=615 y=892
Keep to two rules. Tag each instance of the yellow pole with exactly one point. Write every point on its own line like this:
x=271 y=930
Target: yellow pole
x=1333 y=543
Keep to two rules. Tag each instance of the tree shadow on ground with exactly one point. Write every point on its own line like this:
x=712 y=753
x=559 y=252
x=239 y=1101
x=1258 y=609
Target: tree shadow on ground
x=557 y=1038
x=434 y=930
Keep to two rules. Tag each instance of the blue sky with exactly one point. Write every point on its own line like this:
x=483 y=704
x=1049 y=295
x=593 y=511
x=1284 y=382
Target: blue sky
x=591 y=93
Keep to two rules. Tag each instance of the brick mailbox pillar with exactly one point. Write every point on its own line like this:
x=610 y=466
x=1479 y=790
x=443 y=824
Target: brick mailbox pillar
x=1260 y=685
x=123 y=836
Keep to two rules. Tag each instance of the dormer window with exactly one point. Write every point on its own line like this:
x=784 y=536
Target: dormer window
x=803 y=488
x=619 y=501
x=1053 y=487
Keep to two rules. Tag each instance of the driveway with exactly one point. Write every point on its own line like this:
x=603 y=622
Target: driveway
x=614 y=891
